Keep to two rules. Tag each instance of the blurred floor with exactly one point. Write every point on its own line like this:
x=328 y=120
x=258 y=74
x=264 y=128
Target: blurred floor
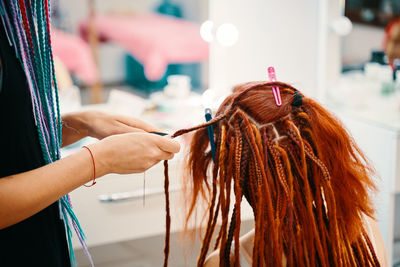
x=147 y=252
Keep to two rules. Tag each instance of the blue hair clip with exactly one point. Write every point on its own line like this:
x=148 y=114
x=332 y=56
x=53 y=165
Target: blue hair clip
x=210 y=132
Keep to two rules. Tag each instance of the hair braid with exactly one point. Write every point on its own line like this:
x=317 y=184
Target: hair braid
x=227 y=251
x=238 y=190
x=222 y=180
x=290 y=221
x=224 y=240
x=211 y=122
x=212 y=218
x=168 y=215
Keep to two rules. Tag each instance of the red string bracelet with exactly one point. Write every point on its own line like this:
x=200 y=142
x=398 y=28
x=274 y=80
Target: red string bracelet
x=94 y=168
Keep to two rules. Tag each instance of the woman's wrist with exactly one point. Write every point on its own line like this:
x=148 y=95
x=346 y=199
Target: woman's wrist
x=74 y=127
x=101 y=156
x=76 y=121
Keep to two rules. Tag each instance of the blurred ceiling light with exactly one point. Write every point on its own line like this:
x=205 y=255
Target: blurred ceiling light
x=227 y=34
x=208 y=98
x=341 y=26
x=206 y=31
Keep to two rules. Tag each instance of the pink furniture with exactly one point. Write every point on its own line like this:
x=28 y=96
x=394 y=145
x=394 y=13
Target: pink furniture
x=76 y=55
x=154 y=40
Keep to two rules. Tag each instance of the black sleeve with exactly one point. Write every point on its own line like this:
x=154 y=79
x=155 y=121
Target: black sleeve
x=1 y=70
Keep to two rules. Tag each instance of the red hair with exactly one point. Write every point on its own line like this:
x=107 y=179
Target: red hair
x=304 y=177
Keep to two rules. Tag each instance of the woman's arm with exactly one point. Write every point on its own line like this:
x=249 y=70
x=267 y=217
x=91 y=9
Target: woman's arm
x=25 y=194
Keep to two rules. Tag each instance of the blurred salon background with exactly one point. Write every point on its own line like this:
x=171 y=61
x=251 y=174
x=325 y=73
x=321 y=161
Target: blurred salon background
x=165 y=61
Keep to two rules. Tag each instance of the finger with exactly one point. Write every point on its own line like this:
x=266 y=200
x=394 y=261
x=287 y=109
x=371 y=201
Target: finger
x=165 y=155
x=167 y=144
x=124 y=128
x=136 y=123
x=169 y=156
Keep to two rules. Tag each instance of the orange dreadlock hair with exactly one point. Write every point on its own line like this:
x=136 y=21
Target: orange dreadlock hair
x=304 y=177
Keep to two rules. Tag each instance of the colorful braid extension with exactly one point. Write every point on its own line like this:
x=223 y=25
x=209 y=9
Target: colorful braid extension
x=27 y=25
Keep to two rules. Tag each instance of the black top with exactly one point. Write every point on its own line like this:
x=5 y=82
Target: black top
x=39 y=240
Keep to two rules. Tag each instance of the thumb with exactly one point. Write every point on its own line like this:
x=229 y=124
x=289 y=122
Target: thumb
x=167 y=144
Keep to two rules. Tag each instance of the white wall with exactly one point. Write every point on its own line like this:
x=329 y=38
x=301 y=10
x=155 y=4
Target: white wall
x=284 y=34
x=357 y=46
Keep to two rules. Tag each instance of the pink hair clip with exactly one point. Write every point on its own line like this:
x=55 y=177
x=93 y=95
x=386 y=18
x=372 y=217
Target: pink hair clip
x=275 y=89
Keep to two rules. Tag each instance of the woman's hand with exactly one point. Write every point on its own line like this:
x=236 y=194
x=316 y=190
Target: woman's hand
x=131 y=152
x=99 y=125
x=125 y=146
x=122 y=153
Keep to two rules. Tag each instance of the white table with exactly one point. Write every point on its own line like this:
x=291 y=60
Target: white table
x=116 y=221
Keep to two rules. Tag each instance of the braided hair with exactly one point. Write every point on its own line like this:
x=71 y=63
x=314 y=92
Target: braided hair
x=302 y=174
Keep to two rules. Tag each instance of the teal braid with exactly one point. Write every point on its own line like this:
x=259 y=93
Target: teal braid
x=24 y=43
x=69 y=238
x=24 y=46
x=47 y=78
x=38 y=64
x=42 y=77
x=52 y=71
x=59 y=126
x=45 y=74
